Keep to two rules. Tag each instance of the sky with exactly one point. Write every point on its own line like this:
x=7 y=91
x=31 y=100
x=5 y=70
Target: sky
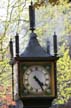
x=3 y=8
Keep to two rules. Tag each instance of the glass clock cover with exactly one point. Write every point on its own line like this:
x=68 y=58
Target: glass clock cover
x=36 y=80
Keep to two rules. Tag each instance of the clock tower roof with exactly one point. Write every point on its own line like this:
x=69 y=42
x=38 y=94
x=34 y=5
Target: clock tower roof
x=33 y=48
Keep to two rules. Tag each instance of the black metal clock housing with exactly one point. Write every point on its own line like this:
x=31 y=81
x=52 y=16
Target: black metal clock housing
x=37 y=81
x=34 y=71
x=35 y=75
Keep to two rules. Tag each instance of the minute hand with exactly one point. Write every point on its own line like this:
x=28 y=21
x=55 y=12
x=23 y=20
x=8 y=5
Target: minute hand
x=39 y=82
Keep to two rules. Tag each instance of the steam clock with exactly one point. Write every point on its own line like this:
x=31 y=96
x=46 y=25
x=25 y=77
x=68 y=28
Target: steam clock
x=34 y=70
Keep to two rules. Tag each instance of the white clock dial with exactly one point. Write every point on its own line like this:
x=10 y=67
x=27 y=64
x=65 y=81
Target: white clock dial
x=36 y=79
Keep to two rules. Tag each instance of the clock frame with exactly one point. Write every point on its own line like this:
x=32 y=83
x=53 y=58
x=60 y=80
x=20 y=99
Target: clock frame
x=24 y=66
x=34 y=54
x=37 y=99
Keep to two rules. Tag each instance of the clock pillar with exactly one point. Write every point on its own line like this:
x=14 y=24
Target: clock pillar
x=35 y=71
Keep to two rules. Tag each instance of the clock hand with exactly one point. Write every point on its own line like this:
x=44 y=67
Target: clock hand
x=39 y=82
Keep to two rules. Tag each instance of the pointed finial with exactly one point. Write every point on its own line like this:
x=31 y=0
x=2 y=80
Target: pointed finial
x=11 y=47
x=10 y=39
x=32 y=16
x=54 y=33
x=55 y=43
x=48 y=47
x=17 y=34
x=17 y=44
x=31 y=2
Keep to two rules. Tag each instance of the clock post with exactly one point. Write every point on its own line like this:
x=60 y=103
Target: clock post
x=35 y=71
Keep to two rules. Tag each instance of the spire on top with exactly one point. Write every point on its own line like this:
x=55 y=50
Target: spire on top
x=32 y=16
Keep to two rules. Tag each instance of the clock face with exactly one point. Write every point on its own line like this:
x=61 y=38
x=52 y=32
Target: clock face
x=36 y=80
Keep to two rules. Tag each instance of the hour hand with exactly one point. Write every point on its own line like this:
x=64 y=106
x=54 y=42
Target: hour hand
x=39 y=82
